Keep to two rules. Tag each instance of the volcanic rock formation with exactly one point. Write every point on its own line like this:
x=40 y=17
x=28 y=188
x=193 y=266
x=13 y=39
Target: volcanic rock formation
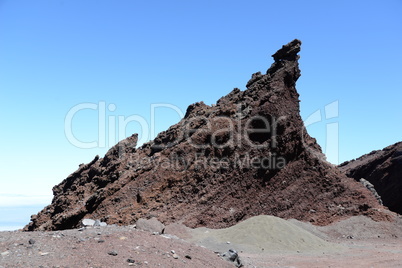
x=247 y=155
x=383 y=168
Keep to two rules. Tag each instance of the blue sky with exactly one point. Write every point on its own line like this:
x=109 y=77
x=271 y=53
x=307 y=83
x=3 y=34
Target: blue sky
x=127 y=55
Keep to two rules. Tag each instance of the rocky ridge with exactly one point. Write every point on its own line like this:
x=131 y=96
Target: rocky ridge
x=383 y=169
x=248 y=155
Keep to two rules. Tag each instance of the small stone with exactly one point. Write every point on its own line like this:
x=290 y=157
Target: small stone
x=231 y=255
x=5 y=253
x=31 y=241
x=43 y=253
x=172 y=251
x=112 y=253
x=130 y=261
x=188 y=257
x=175 y=256
x=101 y=241
x=88 y=222
x=152 y=225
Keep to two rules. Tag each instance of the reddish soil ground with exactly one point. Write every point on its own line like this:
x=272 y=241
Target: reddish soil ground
x=101 y=247
x=358 y=242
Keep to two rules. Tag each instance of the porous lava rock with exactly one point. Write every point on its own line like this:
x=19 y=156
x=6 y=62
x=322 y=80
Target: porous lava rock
x=247 y=155
x=382 y=168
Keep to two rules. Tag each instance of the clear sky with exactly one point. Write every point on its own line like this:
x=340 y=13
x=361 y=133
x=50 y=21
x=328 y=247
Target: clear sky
x=69 y=63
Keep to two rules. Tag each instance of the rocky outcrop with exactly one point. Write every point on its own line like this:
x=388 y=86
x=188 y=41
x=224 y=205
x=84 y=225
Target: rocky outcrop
x=383 y=169
x=247 y=155
x=370 y=186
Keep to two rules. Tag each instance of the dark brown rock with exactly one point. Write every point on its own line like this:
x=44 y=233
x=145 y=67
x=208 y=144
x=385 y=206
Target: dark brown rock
x=382 y=168
x=247 y=155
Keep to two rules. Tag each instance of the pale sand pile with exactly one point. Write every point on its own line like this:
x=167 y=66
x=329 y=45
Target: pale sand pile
x=356 y=228
x=261 y=234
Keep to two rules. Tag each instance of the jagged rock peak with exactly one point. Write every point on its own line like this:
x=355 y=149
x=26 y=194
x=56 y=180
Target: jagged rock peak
x=288 y=51
x=248 y=155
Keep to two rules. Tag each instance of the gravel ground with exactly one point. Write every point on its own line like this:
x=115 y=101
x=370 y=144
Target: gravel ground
x=379 y=253
x=355 y=242
x=365 y=243
x=109 y=246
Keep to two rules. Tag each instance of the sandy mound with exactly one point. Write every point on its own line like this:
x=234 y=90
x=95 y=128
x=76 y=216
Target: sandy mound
x=261 y=234
x=357 y=228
